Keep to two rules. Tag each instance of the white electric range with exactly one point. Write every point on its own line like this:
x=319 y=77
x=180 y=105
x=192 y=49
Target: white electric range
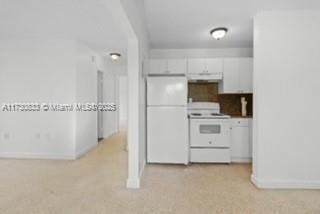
x=210 y=133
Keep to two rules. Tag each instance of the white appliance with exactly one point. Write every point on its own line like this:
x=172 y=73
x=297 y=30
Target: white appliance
x=167 y=120
x=210 y=133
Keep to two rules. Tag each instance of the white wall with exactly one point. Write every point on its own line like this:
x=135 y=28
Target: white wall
x=198 y=53
x=286 y=105
x=123 y=101
x=37 y=71
x=138 y=52
x=49 y=71
x=86 y=92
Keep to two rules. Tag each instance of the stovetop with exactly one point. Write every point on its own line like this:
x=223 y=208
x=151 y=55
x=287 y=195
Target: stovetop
x=205 y=110
x=208 y=116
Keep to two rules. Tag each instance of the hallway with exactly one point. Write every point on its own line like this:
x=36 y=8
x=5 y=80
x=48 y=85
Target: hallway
x=96 y=184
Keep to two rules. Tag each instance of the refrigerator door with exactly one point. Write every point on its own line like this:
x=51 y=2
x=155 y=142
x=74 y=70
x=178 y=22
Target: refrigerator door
x=167 y=135
x=167 y=91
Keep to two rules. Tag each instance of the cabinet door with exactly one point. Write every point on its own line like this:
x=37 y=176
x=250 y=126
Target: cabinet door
x=158 y=66
x=214 y=65
x=177 y=66
x=250 y=138
x=245 y=75
x=196 y=66
x=240 y=147
x=230 y=82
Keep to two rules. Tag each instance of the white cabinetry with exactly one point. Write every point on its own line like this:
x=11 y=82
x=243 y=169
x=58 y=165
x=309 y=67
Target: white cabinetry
x=237 y=75
x=230 y=82
x=205 y=66
x=168 y=66
x=241 y=140
x=245 y=75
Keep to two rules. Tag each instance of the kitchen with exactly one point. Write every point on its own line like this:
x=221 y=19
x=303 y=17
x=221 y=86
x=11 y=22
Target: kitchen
x=199 y=110
x=215 y=108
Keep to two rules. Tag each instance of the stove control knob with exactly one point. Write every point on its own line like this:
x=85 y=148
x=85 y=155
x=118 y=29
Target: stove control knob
x=210 y=142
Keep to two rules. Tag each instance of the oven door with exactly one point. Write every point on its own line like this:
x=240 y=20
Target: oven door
x=213 y=133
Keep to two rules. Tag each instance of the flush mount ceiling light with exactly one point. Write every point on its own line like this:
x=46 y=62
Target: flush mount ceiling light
x=115 y=56
x=219 y=33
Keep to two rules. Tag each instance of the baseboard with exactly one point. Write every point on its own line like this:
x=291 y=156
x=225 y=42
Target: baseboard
x=284 y=184
x=107 y=135
x=136 y=182
x=241 y=160
x=36 y=156
x=84 y=151
x=133 y=183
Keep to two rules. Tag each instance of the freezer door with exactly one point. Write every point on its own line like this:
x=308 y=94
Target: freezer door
x=167 y=91
x=167 y=135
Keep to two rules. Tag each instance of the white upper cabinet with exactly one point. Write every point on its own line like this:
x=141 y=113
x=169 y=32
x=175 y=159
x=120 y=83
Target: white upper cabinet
x=158 y=66
x=196 y=66
x=214 y=65
x=230 y=82
x=245 y=75
x=237 y=75
x=177 y=66
x=168 y=66
x=202 y=66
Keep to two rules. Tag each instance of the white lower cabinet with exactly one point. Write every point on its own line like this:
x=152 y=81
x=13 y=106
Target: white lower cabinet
x=241 y=140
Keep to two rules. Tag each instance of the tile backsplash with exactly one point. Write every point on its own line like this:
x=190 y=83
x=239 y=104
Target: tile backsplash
x=203 y=92
x=229 y=103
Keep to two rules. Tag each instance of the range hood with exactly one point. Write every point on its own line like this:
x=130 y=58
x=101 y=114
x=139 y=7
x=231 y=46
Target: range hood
x=205 y=77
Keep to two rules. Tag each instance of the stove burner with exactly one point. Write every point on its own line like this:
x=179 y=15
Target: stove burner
x=196 y=114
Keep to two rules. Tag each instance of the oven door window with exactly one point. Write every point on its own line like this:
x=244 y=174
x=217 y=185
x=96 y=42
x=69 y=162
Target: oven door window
x=210 y=129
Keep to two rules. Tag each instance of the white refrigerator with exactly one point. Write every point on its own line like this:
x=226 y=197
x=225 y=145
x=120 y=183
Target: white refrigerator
x=167 y=120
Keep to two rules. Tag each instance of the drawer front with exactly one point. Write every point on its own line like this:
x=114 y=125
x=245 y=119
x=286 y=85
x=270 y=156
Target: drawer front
x=240 y=122
x=210 y=133
x=210 y=156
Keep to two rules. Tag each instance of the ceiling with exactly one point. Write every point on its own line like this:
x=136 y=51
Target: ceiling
x=90 y=22
x=187 y=23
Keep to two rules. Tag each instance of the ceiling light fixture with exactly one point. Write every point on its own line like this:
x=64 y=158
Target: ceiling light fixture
x=219 y=33
x=115 y=56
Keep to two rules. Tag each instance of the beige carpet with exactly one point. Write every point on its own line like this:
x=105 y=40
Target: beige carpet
x=96 y=184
